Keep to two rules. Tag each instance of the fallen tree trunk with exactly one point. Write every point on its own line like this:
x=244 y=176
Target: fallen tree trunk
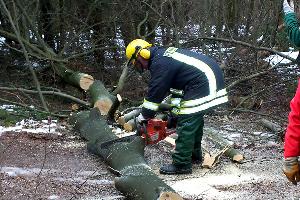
x=84 y=81
x=136 y=180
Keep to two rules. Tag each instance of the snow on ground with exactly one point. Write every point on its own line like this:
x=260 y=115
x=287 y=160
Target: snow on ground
x=32 y=126
x=275 y=59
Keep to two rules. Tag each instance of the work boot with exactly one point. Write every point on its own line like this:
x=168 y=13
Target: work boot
x=176 y=169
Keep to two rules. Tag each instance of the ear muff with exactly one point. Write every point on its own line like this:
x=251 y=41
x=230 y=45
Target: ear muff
x=145 y=53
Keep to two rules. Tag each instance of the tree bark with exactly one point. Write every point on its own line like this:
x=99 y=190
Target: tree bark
x=100 y=97
x=136 y=179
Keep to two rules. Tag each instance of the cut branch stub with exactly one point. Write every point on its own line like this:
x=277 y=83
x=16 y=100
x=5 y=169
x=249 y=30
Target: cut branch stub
x=112 y=111
x=101 y=98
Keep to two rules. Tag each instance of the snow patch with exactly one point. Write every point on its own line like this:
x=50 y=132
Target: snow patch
x=53 y=197
x=276 y=59
x=32 y=126
x=209 y=185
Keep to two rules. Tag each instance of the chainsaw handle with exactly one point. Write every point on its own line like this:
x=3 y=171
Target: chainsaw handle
x=141 y=128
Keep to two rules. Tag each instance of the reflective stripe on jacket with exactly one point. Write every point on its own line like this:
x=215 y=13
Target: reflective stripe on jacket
x=198 y=76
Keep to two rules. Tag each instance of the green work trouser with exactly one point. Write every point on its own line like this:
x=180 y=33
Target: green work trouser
x=189 y=130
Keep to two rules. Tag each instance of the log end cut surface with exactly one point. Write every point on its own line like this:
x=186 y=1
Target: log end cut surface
x=86 y=81
x=103 y=105
x=238 y=158
x=169 y=196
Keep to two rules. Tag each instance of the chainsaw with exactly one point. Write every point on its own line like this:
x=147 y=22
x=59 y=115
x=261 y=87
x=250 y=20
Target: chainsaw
x=152 y=131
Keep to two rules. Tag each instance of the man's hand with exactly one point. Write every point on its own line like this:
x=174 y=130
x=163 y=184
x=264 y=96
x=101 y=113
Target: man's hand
x=288 y=7
x=291 y=169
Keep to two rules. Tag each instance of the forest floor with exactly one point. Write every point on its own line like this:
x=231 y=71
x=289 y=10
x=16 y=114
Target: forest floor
x=55 y=164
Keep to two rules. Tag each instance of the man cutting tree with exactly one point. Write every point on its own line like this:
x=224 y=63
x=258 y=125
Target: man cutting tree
x=292 y=136
x=201 y=82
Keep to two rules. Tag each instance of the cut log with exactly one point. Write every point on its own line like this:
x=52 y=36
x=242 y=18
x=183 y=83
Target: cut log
x=125 y=118
x=136 y=179
x=275 y=128
x=84 y=81
x=100 y=97
x=232 y=153
x=130 y=125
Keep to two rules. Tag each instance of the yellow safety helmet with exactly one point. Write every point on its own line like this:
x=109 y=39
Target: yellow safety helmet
x=138 y=46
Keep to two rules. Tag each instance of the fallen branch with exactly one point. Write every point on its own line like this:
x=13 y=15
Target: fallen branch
x=232 y=153
x=112 y=111
x=243 y=44
x=275 y=128
x=60 y=94
x=33 y=109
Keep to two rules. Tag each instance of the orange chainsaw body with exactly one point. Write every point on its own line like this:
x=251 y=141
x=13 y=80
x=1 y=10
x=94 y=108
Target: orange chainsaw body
x=156 y=130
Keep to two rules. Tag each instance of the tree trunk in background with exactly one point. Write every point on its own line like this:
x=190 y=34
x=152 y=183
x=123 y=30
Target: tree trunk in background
x=249 y=17
x=231 y=16
x=47 y=22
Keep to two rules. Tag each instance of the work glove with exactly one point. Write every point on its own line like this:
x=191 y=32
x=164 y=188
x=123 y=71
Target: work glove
x=291 y=169
x=288 y=7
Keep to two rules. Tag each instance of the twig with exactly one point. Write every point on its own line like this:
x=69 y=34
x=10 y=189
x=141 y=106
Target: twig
x=122 y=79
